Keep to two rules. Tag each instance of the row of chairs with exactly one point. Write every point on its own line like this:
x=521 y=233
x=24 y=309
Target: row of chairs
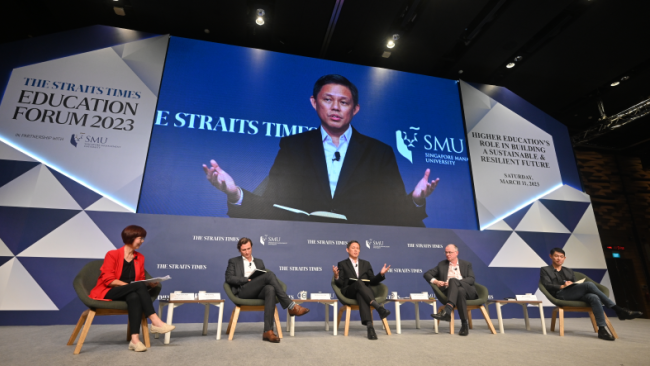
x=87 y=278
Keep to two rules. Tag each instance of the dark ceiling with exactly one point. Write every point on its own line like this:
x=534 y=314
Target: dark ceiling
x=572 y=50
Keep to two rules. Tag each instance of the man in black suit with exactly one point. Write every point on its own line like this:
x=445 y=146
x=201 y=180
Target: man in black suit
x=265 y=287
x=333 y=168
x=559 y=281
x=356 y=268
x=455 y=278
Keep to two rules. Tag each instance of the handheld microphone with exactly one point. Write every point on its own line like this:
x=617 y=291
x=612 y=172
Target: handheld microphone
x=250 y=264
x=356 y=264
x=337 y=156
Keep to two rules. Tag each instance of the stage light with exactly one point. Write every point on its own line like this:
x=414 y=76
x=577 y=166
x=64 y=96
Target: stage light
x=386 y=54
x=615 y=83
x=510 y=65
x=390 y=44
x=521 y=206
x=518 y=58
x=52 y=166
x=460 y=71
x=260 y=17
x=624 y=78
x=207 y=31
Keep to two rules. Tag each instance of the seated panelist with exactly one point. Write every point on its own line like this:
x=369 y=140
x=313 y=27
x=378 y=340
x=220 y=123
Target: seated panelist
x=353 y=267
x=559 y=281
x=121 y=267
x=455 y=278
x=265 y=287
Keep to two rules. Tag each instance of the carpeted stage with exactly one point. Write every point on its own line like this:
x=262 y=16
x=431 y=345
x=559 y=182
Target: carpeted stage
x=311 y=345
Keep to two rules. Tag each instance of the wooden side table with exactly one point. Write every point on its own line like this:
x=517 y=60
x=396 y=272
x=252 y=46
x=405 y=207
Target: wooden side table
x=291 y=320
x=176 y=303
x=524 y=305
x=398 y=318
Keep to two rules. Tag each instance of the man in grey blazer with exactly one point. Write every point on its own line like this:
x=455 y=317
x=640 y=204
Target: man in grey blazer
x=455 y=278
x=559 y=281
x=265 y=287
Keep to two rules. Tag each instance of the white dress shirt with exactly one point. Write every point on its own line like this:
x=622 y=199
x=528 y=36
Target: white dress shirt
x=249 y=267
x=355 y=265
x=334 y=167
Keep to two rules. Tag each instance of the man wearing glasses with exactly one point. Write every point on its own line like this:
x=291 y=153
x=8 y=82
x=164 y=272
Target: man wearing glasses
x=455 y=278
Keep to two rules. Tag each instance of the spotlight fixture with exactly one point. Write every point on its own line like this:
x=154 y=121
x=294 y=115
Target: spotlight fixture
x=260 y=17
x=615 y=83
x=460 y=71
x=119 y=11
x=518 y=58
x=207 y=31
x=386 y=54
x=391 y=42
x=510 y=65
x=624 y=78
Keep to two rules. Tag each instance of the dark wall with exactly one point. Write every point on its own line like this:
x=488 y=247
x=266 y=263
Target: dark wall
x=619 y=187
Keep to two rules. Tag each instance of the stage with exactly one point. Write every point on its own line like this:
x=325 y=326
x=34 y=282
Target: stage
x=311 y=345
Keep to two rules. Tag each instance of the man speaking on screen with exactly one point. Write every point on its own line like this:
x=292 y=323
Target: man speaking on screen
x=331 y=174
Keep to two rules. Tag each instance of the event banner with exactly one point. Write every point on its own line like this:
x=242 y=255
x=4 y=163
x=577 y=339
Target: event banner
x=89 y=115
x=513 y=161
x=251 y=116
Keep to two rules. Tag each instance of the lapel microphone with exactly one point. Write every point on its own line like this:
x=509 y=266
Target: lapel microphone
x=337 y=156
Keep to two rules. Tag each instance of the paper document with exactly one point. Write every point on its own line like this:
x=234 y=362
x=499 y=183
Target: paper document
x=155 y=279
x=329 y=215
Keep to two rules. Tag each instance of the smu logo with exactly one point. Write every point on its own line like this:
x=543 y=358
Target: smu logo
x=263 y=239
x=404 y=143
x=76 y=138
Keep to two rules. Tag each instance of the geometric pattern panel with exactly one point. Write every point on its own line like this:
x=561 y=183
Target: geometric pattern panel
x=19 y=290
x=48 y=273
x=484 y=244
x=516 y=253
x=540 y=219
x=568 y=213
x=515 y=218
x=37 y=188
x=542 y=243
x=12 y=169
x=79 y=237
x=84 y=196
x=21 y=227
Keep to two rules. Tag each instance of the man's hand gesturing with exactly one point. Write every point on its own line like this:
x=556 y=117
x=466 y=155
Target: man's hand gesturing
x=424 y=189
x=222 y=181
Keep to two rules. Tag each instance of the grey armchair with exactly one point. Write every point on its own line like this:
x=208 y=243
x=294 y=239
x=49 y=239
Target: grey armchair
x=381 y=294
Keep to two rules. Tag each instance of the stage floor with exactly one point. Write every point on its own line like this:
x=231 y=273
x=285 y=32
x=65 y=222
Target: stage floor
x=311 y=345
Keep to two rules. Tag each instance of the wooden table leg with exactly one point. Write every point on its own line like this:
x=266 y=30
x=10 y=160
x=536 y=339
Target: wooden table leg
x=398 y=317
x=500 y=318
x=417 y=315
x=170 y=318
x=541 y=317
x=526 y=320
x=327 y=317
x=334 y=320
x=220 y=319
x=206 y=315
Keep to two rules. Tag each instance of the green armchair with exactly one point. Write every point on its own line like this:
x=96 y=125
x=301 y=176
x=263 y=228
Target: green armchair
x=248 y=305
x=575 y=306
x=83 y=283
x=478 y=303
x=381 y=294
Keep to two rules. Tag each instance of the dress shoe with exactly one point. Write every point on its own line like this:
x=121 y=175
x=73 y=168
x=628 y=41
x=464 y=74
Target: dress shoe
x=166 y=328
x=271 y=337
x=442 y=315
x=138 y=347
x=371 y=333
x=464 y=330
x=298 y=310
x=625 y=314
x=383 y=312
x=603 y=333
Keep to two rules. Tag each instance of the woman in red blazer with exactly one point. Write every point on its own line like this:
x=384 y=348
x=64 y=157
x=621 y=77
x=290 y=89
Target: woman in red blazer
x=121 y=267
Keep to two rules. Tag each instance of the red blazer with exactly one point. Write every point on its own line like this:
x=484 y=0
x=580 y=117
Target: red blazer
x=112 y=270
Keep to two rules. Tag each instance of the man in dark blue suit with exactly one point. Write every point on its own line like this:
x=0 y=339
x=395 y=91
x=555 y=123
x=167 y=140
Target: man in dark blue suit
x=333 y=169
